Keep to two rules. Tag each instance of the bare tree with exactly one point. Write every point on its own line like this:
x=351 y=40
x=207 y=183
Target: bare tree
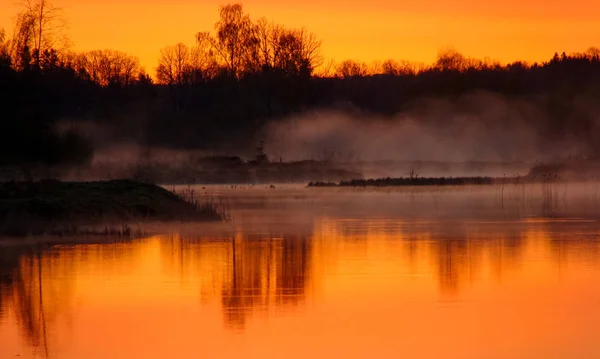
x=180 y=64
x=243 y=46
x=234 y=37
x=205 y=58
x=20 y=49
x=291 y=51
x=593 y=52
x=266 y=33
x=350 y=68
x=400 y=68
x=451 y=60
x=174 y=64
x=4 y=50
x=203 y=62
x=390 y=67
x=42 y=26
x=288 y=52
x=109 y=67
x=310 y=47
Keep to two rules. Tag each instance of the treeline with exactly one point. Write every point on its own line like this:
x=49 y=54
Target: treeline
x=219 y=92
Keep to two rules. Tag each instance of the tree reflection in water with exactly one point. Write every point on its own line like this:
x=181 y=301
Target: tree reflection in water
x=249 y=275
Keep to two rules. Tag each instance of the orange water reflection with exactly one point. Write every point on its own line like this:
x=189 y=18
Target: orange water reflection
x=351 y=288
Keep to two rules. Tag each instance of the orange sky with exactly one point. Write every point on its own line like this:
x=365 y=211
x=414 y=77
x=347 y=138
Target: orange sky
x=363 y=30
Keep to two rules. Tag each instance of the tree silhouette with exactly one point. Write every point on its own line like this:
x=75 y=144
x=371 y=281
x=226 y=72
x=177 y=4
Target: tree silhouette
x=219 y=93
x=399 y=68
x=350 y=68
x=233 y=38
x=174 y=65
x=450 y=60
x=41 y=27
x=5 y=59
x=108 y=67
x=244 y=47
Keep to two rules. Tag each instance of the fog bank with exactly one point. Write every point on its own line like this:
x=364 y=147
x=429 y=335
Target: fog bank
x=475 y=127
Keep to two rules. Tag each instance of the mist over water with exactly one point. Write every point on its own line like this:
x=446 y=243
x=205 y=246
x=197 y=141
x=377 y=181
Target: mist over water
x=478 y=126
x=473 y=127
x=503 y=135
x=494 y=272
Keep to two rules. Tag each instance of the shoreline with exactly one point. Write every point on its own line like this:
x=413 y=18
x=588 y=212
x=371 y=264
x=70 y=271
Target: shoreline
x=105 y=208
x=439 y=181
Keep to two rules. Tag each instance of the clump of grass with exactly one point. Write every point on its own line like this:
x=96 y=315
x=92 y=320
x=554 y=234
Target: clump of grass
x=25 y=225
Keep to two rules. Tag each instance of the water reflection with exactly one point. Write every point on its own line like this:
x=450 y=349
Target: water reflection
x=247 y=273
x=460 y=254
x=33 y=291
x=53 y=296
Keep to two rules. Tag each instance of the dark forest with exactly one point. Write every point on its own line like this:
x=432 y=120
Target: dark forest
x=220 y=95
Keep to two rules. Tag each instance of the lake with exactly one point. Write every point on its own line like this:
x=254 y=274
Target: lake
x=477 y=272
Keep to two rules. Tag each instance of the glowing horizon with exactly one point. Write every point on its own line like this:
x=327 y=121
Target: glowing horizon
x=381 y=29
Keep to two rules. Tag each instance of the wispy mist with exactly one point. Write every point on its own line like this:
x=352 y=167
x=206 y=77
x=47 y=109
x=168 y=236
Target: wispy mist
x=474 y=127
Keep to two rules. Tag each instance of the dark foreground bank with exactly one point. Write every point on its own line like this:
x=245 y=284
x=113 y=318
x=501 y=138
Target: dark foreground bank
x=54 y=207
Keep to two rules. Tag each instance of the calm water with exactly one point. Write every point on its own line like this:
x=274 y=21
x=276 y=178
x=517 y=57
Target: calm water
x=473 y=273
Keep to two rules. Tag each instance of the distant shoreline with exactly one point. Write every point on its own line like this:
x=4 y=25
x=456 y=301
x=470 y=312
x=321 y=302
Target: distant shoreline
x=435 y=181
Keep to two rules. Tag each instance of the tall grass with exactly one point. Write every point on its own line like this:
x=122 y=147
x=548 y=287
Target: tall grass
x=202 y=203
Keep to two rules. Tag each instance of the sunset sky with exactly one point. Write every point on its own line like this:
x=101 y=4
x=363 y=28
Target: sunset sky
x=412 y=30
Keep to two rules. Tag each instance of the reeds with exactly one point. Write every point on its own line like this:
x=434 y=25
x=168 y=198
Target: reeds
x=107 y=230
x=207 y=206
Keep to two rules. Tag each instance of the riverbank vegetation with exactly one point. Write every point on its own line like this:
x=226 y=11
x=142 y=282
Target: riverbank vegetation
x=415 y=180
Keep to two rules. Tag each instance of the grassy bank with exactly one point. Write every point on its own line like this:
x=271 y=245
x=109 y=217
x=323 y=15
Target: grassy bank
x=71 y=208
